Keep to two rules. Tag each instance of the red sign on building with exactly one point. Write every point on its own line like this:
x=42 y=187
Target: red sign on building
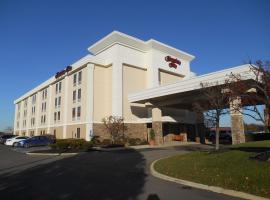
x=61 y=73
x=173 y=62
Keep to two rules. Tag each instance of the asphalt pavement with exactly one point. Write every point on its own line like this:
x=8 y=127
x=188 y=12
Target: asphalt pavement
x=122 y=174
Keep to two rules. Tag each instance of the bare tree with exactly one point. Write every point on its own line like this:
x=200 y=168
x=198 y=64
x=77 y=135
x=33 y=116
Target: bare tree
x=214 y=105
x=115 y=126
x=253 y=93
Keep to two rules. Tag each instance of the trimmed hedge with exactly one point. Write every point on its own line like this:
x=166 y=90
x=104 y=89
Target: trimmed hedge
x=65 y=144
x=257 y=137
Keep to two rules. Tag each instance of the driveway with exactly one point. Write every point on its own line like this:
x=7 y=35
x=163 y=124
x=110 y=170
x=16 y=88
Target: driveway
x=94 y=175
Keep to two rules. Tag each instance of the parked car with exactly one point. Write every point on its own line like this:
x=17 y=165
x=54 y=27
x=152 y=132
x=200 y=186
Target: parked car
x=224 y=136
x=3 y=138
x=14 y=141
x=36 y=141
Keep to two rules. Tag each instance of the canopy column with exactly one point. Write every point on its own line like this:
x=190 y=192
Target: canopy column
x=157 y=125
x=237 y=123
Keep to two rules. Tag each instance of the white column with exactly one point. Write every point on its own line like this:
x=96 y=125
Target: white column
x=117 y=89
x=65 y=110
x=49 y=108
x=89 y=101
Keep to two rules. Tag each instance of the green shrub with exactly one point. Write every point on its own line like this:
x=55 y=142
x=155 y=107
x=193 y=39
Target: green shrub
x=152 y=134
x=65 y=144
x=106 y=142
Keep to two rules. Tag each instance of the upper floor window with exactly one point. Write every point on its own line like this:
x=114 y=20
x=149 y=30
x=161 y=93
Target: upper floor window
x=59 y=101
x=44 y=94
x=74 y=96
x=33 y=99
x=79 y=112
x=79 y=94
x=25 y=103
x=74 y=79
x=55 y=115
x=58 y=87
x=80 y=77
x=73 y=113
x=55 y=102
x=58 y=115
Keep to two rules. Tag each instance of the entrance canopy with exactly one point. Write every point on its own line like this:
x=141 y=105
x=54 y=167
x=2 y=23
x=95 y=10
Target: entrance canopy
x=182 y=94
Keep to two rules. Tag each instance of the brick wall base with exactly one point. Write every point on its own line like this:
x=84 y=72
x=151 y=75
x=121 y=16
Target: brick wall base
x=134 y=130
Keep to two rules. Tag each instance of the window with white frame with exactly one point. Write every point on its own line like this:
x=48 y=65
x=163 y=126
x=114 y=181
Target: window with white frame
x=80 y=77
x=78 y=112
x=55 y=115
x=79 y=95
x=74 y=79
x=55 y=102
x=73 y=113
x=58 y=115
x=74 y=96
x=59 y=101
x=60 y=86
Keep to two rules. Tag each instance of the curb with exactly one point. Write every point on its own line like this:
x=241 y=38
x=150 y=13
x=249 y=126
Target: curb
x=216 y=189
x=51 y=154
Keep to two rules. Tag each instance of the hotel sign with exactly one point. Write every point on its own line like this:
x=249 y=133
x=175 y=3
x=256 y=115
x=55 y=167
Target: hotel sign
x=173 y=62
x=64 y=71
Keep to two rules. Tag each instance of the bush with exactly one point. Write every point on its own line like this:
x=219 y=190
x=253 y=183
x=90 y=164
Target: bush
x=257 y=137
x=152 y=134
x=106 y=142
x=65 y=144
x=136 y=141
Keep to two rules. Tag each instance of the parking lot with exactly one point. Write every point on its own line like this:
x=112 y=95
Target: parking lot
x=94 y=175
x=14 y=160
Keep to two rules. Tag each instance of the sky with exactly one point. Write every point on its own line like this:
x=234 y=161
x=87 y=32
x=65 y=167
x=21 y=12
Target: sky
x=39 y=38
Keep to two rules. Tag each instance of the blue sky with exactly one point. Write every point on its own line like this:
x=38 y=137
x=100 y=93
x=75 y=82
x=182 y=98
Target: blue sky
x=38 y=38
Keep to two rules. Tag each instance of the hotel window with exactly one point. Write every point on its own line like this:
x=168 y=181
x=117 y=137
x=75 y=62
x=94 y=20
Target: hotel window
x=60 y=86
x=78 y=112
x=58 y=115
x=33 y=99
x=55 y=116
x=79 y=77
x=78 y=133
x=44 y=119
x=79 y=95
x=73 y=113
x=55 y=102
x=45 y=93
x=59 y=101
x=74 y=96
x=74 y=79
x=25 y=103
x=44 y=106
x=56 y=88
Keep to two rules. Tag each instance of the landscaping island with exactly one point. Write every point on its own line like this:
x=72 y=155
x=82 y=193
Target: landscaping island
x=231 y=169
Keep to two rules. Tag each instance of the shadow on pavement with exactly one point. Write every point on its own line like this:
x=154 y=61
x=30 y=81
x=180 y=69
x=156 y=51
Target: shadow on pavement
x=252 y=149
x=93 y=175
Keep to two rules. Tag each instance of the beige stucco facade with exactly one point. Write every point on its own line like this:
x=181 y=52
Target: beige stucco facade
x=73 y=103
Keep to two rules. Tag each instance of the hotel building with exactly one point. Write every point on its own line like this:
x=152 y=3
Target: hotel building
x=148 y=83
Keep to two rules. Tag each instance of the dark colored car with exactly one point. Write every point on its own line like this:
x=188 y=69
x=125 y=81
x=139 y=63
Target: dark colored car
x=36 y=141
x=3 y=138
x=225 y=137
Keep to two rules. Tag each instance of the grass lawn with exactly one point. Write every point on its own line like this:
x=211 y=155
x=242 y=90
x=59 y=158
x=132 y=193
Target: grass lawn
x=230 y=169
